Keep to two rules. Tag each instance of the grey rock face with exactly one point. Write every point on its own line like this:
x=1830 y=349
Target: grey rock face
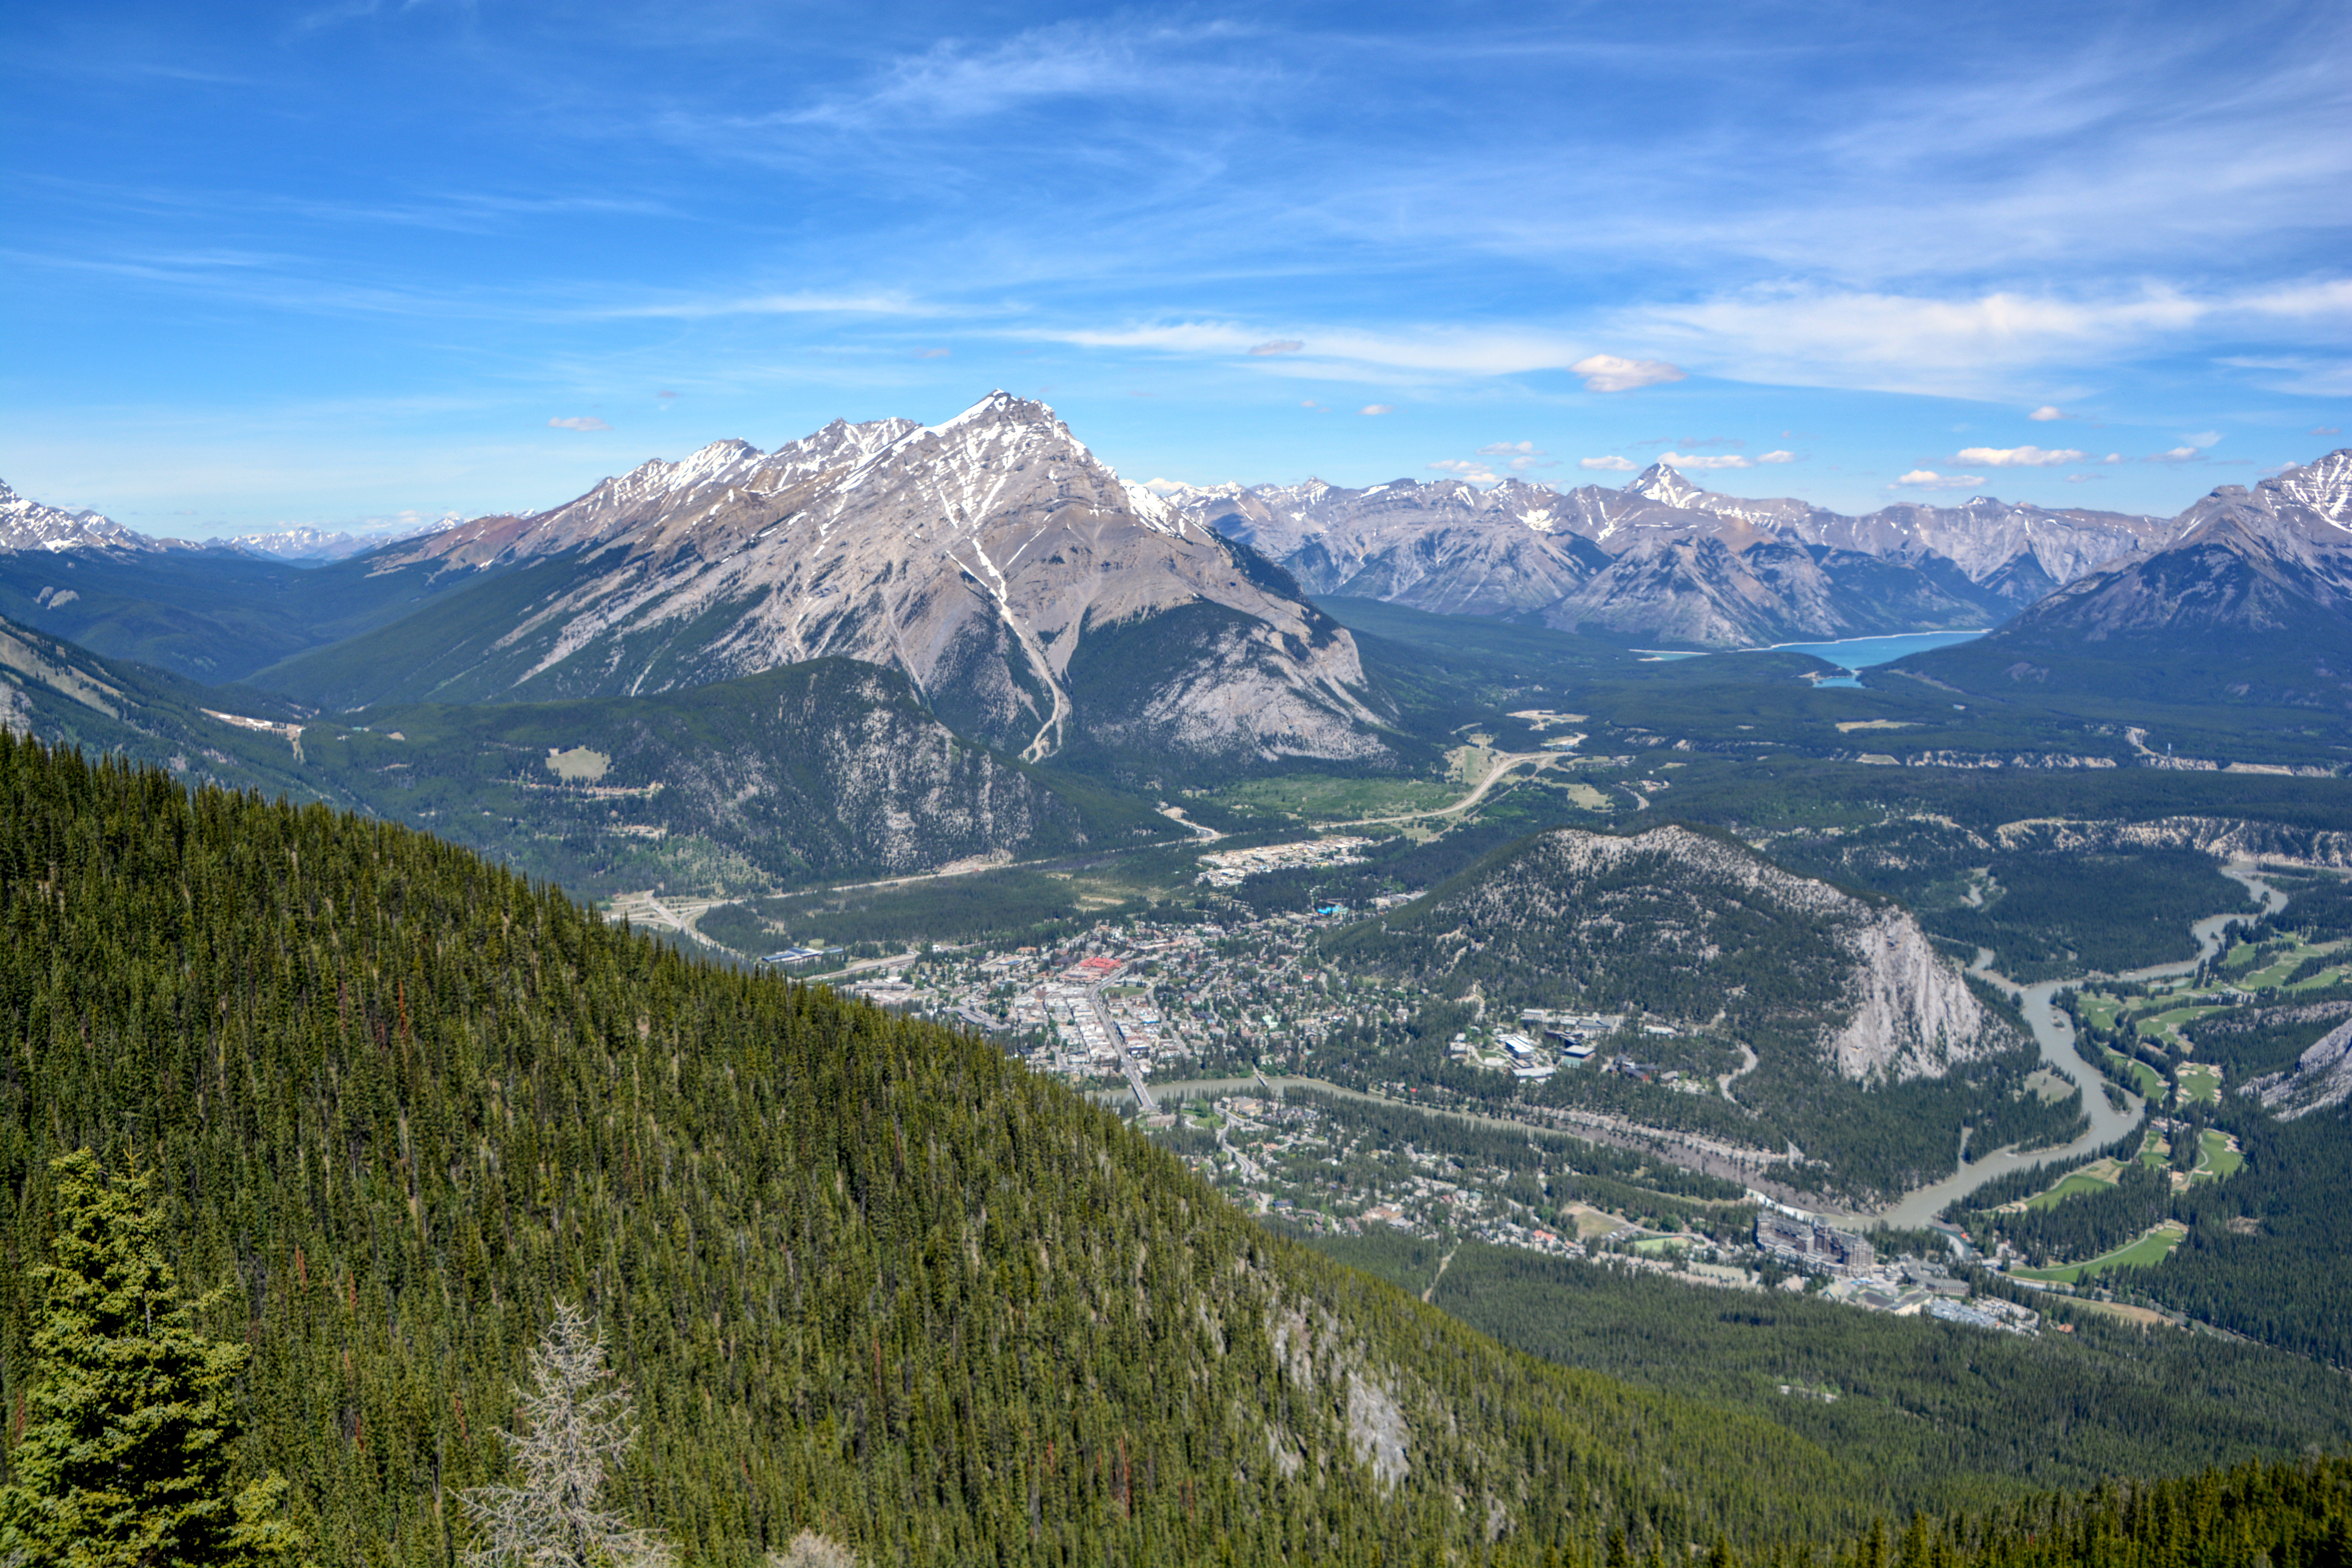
x=2320 y=1079
x=2273 y=558
x=1903 y=1011
x=1665 y=558
x=979 y=556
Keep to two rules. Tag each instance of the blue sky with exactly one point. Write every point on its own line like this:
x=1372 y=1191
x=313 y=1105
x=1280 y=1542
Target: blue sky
x=348 y=261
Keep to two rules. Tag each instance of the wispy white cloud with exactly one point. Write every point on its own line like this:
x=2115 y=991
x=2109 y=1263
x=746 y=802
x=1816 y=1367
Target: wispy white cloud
x=1965 y=345
x=933 y=354
x=1928 y=480
x=578 y=422
x=1511 y=449
x=2176 y=454
x=1607 y=372
x=2324 y=430
x=1073 y=60
x=1376 y=408
x=2046 y=413
x=1276 y=346
x=700 y=308
x=1777 y=457
x=1340 y=353
x=2298 y=374
x=2018 y=456
x=1609 y=464
x=1463 y=468
x=1703 y=460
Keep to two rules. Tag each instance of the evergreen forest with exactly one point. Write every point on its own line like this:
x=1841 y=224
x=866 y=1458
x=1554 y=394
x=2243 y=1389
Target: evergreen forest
x=395 y=1108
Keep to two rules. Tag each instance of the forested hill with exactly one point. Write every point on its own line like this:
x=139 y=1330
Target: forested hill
x=865 y=1275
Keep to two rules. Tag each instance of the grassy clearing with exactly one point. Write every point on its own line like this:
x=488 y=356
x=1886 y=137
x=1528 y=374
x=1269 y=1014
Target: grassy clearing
x=2215 y=1161
x=2099 y=1010
x=2146 y=1318
x=2164 y=1028
x=2091 y=1178
x=2150 y=1081
x=2198 y=1083
x=1312 y=797
x=1585 y=795
x=2149 y=1249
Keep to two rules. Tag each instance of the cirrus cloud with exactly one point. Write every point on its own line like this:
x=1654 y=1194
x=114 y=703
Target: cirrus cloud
x=1607 y=372
x=1928 y=480
x=1777 y=457
x=1611 y=465
x=1377 y=409
x=1278 y=346
x=580 y=422
x=1703 y=460
x=2046 y=413
x=2018 y=456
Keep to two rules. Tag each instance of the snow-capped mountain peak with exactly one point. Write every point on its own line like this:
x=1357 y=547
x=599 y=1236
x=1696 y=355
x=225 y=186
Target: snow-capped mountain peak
x=1665 y=484
x=27 y=524
x=2324 y=487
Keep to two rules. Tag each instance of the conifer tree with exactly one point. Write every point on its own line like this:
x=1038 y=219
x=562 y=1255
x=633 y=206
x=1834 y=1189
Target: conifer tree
x=125 y=1456
x=578 y=1422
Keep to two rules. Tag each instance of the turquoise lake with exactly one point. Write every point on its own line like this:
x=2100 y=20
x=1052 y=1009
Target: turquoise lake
x=1861 y=653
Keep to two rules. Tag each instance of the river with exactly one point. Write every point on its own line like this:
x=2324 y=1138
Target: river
x=2055 y=1036
x=2052 y=1032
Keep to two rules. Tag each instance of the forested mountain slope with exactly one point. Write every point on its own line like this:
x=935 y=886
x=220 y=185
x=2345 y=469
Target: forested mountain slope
x=1871 y=1052
x=865 y=1274
x=826 y=769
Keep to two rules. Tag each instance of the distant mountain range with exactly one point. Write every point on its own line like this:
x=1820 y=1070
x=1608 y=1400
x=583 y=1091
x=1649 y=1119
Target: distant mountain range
x=2247 y=595
x=29 y=525
x=1663 y=559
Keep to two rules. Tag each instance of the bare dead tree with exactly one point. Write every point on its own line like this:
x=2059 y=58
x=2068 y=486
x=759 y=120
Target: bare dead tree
x=578 y=1422
x=810 y=1550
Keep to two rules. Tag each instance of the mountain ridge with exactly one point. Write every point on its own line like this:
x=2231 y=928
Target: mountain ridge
x=986 y=557
x=1663 y=557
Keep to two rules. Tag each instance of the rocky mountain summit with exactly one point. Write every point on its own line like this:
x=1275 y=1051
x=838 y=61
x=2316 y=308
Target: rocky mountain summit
x=1036 y=601
x=1665 y=558
x=2249 y=560
x=27 y=524
x=2244 y=597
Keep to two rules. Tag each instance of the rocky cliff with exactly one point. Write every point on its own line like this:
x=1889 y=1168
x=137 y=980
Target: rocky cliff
x=2320 y=1079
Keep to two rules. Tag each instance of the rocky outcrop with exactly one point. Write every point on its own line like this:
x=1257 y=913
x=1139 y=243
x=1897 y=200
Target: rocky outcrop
x=2224 y=837
x=2321 y=1078
x=1914 y=1013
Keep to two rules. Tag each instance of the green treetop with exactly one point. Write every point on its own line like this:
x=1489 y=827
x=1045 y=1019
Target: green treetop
x=124 y=1462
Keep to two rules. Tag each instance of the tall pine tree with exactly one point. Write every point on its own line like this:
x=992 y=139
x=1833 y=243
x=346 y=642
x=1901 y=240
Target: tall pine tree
x=125 y=1458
